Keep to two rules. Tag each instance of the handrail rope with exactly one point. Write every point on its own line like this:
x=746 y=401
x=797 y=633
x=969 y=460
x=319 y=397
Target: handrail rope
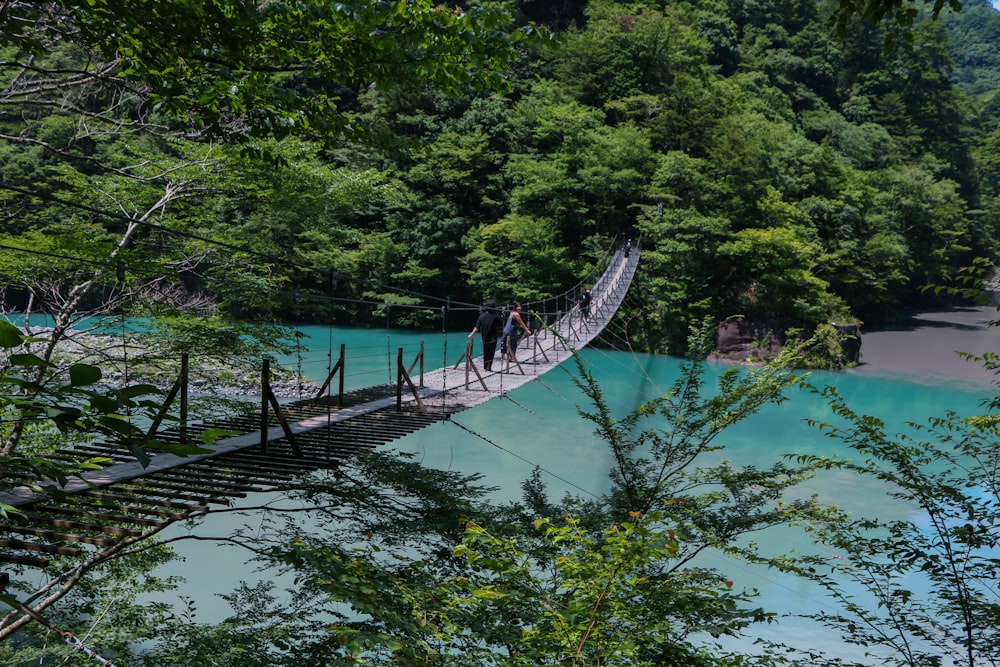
x=284 y=261
x=542 y=316
x=554 y=392
x=125 y=368
x=329 y=382
x=298 y=368
x=388 y=341
x=297 y=295
x=41 y=253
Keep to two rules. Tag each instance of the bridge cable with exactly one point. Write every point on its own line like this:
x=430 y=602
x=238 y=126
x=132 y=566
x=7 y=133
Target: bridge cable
x=67 y=636
x=482 y=437
x=522 y=406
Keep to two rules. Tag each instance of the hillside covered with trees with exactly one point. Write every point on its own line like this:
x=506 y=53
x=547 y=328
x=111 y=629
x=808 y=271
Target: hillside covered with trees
x=770 y=169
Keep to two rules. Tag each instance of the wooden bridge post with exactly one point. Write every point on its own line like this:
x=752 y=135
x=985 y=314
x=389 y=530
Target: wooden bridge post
x=469 y=363
x=572 y=327
x=265 y=374
x=268 y=397
x=340 y=395
x=402 y=375
x=184 y=397
x=339 y=366
x=399 y=380
x=180 y=386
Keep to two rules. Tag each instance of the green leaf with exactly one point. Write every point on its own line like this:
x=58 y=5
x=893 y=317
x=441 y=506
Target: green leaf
x=10 y=336
x=28 y=360
x=135 y=390
x=62 y=414
x=139 y=453
x=104 y=404
x=209 y=436
x=177 y=449
x=82 y=375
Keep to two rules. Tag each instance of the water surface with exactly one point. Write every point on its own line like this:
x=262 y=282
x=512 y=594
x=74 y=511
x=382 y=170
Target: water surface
x=539 y=425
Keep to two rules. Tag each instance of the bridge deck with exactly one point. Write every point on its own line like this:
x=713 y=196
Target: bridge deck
x=126 y=498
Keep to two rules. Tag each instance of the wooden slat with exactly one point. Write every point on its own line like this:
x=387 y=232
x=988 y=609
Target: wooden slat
x=105 y=516
x=148 y=488
x=154 y=486
x=40 y=548
x=58 y=536
x=159 y=502
x=26 y=561
x=78 y=525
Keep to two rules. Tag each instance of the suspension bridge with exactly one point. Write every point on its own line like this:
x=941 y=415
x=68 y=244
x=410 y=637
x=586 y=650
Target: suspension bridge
x=126 y=501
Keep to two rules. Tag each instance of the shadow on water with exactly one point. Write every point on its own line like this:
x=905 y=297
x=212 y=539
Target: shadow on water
x=958 y=318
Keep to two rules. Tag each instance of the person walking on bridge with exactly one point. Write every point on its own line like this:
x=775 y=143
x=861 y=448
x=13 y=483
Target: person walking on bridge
x=512 y=332
x=487 y=326
x=583 y=303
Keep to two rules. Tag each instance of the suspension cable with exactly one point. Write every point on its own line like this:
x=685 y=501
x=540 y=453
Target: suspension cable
x=67 y=636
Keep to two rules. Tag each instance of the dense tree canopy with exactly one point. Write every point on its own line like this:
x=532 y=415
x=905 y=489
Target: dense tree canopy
x=853 y=160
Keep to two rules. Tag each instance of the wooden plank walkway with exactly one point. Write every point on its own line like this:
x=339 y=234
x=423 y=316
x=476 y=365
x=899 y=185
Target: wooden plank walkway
x=125 y=498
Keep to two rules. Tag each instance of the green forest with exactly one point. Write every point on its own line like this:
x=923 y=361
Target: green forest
x=770 y=168
x=221 y=169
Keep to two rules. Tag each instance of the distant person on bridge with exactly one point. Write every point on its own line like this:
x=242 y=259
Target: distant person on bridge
x=583 y=303
x=487 y=326
x=627 y=250
x=512 y=332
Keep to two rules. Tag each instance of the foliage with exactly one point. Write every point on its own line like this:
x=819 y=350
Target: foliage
x=234 y=69
x=971 y=34
x=105 y=611
x=679 y=269
x=596 y=604
x=782 y=160
x=898 y=14
x=929 y=578
x=509 y=258
x=825 y=349
x=72 y=402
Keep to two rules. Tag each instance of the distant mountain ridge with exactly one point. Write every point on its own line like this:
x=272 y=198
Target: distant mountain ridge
x=974 y=45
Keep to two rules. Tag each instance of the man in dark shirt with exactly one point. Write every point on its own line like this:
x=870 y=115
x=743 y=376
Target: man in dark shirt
x=487 y=326
x=584 y=303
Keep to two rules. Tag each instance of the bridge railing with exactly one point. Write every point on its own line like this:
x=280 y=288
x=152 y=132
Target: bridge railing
x=608 y=291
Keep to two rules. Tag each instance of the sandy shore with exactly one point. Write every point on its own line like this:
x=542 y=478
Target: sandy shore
x=927 y=345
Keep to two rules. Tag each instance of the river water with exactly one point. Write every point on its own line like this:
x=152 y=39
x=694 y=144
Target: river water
x=909 y=374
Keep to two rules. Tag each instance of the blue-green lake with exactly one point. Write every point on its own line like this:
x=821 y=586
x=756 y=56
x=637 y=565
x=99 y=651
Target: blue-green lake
x=538 y=425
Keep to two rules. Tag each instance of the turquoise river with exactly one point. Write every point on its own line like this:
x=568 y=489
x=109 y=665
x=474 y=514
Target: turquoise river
x=538 y=425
